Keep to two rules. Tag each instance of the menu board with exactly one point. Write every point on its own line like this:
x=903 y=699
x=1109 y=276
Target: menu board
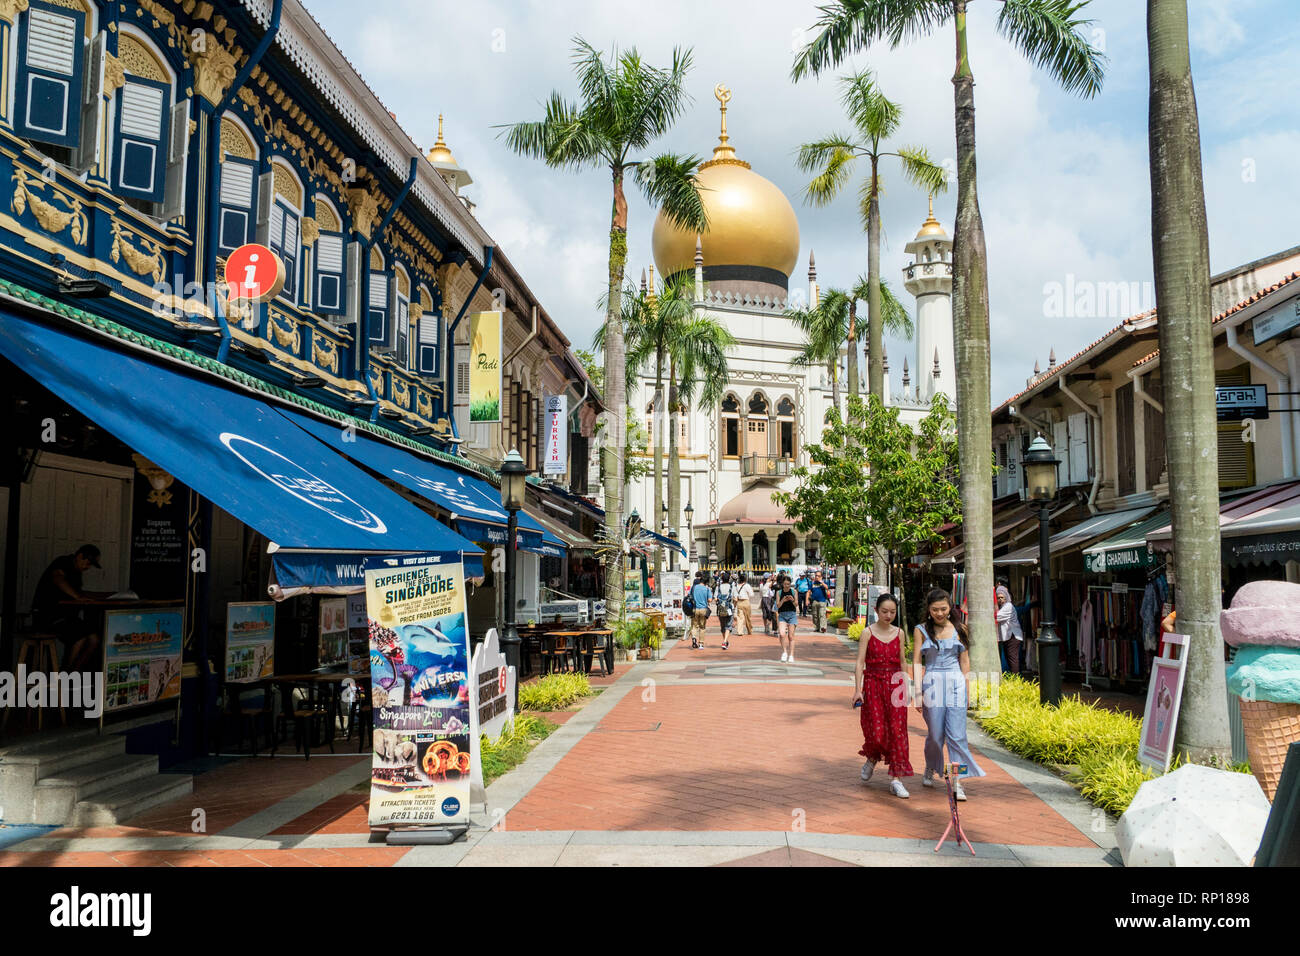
x=419 y=665
x=142 y=656
x=333 y=634
x=250 y=641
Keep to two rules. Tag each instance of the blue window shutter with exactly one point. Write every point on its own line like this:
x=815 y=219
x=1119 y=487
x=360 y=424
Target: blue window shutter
x=143 y=108
x=380 y=328
x=48 y=94
x=330 y=273
x=428 y=353
x=237 y=202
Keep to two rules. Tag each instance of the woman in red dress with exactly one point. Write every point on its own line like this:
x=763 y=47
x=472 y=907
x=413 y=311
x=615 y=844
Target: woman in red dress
x=881 y=679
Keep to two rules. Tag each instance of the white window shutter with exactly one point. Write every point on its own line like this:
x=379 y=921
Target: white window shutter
x=265 y=203
x=178 y=153
x=353 y=314
x=1079 y=443
x=140 y=149
x=88 y=151
x=1061 y=451
x=329 y=274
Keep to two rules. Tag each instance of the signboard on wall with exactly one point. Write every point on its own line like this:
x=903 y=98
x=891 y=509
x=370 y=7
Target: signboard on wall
x=332 y=636
x=250 y=641
x=1279 y=319
x=159 y=532
x=1235 y=403
x=485 y=346
x=142 y=656
x=556 y=461
x=674 y=591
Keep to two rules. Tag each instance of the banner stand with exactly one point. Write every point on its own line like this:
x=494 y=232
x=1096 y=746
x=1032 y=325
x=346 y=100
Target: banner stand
x=425 y=836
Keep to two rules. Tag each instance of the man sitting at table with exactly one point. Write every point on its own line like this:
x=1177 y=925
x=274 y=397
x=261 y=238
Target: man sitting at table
x=61 y=583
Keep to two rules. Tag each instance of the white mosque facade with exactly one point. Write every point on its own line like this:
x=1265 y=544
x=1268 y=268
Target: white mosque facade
x=733 y=456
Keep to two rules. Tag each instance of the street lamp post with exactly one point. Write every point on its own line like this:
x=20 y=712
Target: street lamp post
x=513 y=483
x=1040 y=475
x=690 y=536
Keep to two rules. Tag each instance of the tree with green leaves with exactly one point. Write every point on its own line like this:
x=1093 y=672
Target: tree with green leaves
x=876 y=485
x=1052 y=35
x=875 y=118
x=894 y=319
x=626 y=104
x=1180 y=250
x=824 y=326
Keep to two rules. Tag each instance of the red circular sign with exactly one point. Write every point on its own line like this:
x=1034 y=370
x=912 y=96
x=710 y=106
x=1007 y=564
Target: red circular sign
x=254 y=273
x=501 y=679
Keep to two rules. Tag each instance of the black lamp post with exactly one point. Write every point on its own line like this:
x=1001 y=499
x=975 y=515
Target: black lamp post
x=690 y=537
x=1040 y=476
x=513 y=483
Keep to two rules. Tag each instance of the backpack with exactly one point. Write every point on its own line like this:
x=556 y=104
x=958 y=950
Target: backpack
x=688 y=605
x=724 y=601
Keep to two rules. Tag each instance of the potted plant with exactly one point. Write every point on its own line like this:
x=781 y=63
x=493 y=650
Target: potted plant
x=626 y=637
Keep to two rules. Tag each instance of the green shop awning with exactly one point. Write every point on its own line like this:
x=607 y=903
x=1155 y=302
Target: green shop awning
x=1126 y=550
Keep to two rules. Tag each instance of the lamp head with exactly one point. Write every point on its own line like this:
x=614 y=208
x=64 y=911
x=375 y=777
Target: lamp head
x=513 y=481
x=1040 y=470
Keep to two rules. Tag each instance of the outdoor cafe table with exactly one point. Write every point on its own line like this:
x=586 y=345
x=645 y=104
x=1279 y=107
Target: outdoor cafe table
x=328 y=685
x=586 y=646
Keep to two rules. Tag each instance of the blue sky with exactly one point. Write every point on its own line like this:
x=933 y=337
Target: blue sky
x=1063 y=182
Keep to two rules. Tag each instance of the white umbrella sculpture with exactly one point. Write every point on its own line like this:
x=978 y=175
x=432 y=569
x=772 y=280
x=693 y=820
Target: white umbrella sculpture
x=1194 y=816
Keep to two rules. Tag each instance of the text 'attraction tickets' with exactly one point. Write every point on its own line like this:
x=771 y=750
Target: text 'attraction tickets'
x=419 y=667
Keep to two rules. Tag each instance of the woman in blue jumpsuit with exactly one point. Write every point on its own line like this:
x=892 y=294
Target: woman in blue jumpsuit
x=941 y=657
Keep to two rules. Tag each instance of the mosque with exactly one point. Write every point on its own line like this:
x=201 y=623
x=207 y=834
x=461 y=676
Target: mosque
x=734 y=456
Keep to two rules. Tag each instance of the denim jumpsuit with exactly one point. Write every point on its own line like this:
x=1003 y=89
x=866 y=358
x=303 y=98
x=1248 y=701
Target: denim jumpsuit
x=943 y=696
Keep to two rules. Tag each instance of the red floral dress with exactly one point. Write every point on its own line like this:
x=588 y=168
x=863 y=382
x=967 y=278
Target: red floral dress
x=884 y=706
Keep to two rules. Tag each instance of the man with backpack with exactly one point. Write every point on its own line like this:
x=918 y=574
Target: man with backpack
x=700 y=596
x=725 y=599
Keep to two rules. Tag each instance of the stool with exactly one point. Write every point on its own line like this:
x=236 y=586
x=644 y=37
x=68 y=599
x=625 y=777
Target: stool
x=36 y=651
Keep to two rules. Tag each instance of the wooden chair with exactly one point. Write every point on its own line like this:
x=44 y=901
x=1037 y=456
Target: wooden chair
x=600 y=652
x=554 y=650
x=39 y=650
x=308 y=714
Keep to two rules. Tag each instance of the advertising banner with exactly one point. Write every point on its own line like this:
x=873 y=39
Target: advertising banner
x=250 y=641
x=419 y=666
x=556 y=461
x=142 y=656
x=358 y=635
x=674 y=591
x=632 y=594
x=485 y=366
x=332 y=647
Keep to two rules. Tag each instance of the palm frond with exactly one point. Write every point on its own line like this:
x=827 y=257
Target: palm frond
x=850 y=26
x=670 y=183
x=1050 y=35
x=894 y=317
x=597 y=81
x=659 y=96
x=562 y=138
x=700 y=345
x=832 y=161
x=923 y=171
x=875 y=115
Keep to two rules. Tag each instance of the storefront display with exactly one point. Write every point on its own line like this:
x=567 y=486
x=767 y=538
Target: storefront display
x=250 y=641
x=142 y=656
x=332 y=634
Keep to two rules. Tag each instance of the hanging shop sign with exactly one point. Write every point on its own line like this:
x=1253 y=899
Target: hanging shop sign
x=159 y=532
x=332 y=634
x=1164 y=694
x=420 y=691
x=254 y=274
x=142 y=656
x=1235 y=403
x=556 y=461
x=485 y=346
x=1261 y=549
x=1120 y=559
x=250 y=641
x=1279 y=319
x=674 y=592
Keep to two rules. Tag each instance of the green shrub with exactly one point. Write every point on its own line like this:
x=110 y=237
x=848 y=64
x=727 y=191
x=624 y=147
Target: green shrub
x=517 y=739
x=554 y=692
x=856 y=629
x=834 y=614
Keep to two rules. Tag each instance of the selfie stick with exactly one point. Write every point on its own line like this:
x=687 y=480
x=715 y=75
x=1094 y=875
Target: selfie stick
x=952 y=772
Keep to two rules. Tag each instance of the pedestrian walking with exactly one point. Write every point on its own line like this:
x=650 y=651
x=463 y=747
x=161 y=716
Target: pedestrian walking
x=787 y=612
x=701 y=595
x=1009 y=633
x=725 y=598
x=766 y=606
x=941 y=658
x=817 y=600
x=882 y=693
x=802 y=587
x=744 y=606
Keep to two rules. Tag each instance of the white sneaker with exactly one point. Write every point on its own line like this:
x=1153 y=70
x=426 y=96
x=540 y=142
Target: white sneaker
x=868 y=769
x=791 y=660
x=958 y=791
x=928 y=779
x=897 y=789
x=783 y=656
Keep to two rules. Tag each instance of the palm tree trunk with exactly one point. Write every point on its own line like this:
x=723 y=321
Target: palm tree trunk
x=674 y=467
x=1181 y=255
x=875 y=334
x=616 y=403
x=970 y=308
x=833 y=367
x=656 y=422
x=853 y=345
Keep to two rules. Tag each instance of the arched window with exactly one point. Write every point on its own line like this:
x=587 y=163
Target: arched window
x=328 y=259
x=429 y=336
x=402 y=315
x=150 y=131
x=55 y=45
x=758 y=404
x=730 y=427
x=279 y=220
x=756 y=426
x=787 y=437
x=380 y=306
x=237 y=189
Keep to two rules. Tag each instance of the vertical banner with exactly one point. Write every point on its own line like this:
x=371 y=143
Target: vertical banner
x=419 y=666
x=632 y=594
x=250 y=641
x=485 y=345
x=674 y=591
x=557 y=435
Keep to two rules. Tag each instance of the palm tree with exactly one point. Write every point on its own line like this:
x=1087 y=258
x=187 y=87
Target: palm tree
x=875 y=118
x=626 y=105
x=1181 y=254
x=825 y=327
x=894 y=319
x=1050 y=34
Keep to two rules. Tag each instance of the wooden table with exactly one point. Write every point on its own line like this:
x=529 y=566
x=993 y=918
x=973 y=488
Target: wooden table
x=586 y=650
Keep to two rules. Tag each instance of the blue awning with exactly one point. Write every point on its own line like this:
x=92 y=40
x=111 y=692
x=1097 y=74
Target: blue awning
x=659 y=540
x=339 y=572
x=472 y=503
x=229 y=447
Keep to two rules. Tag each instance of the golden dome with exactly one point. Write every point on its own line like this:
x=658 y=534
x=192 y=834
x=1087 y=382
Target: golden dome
x=751 y=223
x=440 y=153
x=931 y=226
